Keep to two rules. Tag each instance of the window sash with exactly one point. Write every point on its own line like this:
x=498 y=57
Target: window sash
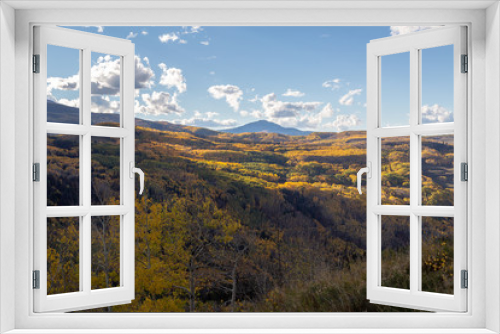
x=414 y=298
x=85 y=298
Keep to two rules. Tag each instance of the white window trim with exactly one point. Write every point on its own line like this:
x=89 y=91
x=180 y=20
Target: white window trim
x=484 y=103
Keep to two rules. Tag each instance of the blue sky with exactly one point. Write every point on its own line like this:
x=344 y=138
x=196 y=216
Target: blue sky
x=311 y=78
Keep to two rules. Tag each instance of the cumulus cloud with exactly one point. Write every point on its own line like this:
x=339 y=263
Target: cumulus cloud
x=254 y=99
x=171 y=37
x=192 y=30
x=205 y=43
x=206 y=120
x=348 y=99
x=144 y=32
x=131 y=35
x=274 y=108
x=72 y=103
x=143 y=73
x=106 y=75
x=231 y=93
x=158 y=103
x=293 y=93
x=58 y=83
x=403 y=30
x=345 y=122
x=436 y=114
x=313 y=121
x=332 y=84
x=104 y=105
x=172 y=77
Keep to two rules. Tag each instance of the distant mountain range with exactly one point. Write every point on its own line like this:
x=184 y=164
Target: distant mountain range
x=60 y=113
x=266 y=126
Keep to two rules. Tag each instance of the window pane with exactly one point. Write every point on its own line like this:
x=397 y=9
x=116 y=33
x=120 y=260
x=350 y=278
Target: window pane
x=395 y=171
x=395 y=90
x=396 y=252
x=63 y=170
x=437 y=170
x=63 y=85
x=105 y=89
x=105 y=171
x=63 y=255
x=105 y=252
x=437 y=84
x=437 y=255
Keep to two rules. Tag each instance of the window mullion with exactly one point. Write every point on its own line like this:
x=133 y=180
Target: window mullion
x=86 y=168
x=414 y=171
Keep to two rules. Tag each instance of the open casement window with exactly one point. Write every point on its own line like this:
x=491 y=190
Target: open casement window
x=84 y=210
x=416 y=198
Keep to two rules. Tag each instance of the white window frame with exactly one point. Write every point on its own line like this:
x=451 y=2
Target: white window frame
x=413 y=44
x=484 y=50
x=85 y=44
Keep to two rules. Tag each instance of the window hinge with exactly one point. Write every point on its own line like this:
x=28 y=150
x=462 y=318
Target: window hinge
x=36 y=279
x=36 y=63
x=465 y=64
x=465 y=279
x=464 y=171
x=36 y=172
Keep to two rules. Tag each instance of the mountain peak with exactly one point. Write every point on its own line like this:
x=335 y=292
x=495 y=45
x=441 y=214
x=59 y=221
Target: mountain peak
x=266 y=126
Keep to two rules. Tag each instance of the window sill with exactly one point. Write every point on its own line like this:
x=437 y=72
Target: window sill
x=250 y=331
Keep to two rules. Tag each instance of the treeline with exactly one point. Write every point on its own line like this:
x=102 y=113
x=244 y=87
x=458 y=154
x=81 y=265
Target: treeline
x=256 y=228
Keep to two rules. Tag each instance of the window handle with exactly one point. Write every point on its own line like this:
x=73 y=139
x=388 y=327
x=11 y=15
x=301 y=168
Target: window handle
x=134 y=170
x=368 y=171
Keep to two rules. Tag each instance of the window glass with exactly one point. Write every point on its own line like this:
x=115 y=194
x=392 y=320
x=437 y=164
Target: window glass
x=63 y=85
x=395 y=171
x=437 y=85
x=395 y=89
x=63 y=255
x=437 y=170
x=105 y=89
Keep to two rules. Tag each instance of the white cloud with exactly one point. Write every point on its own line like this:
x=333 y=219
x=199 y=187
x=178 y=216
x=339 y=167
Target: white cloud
x=143 y=73
x=293 y=93
x=99 y=28
x=207 y=121
x=69 y=83
x=348 y=99
x=104 y=105
x=231 y=93
x=274 y=108
x=131 y=35
x=255 y=99
x=313 y=121
x=244 y=113
x=332 y=84
x=72 y=103
x=345 y=122
x=182 y=41
x=144 y=32
x=403 y=30
x=165 y=38
x=204 y=42
x=212 y=73
x=106 y=75
x=172 y=77
x=436 y=114
x=192 y=30
x=158 y=103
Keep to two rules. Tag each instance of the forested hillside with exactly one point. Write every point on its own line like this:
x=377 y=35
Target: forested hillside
x=252 y=222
